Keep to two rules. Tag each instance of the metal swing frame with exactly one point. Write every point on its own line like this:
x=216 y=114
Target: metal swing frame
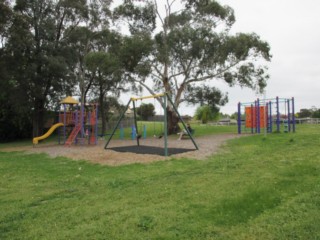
x=164 y=103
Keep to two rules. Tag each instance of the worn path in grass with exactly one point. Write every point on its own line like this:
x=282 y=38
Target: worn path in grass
x=208 y=145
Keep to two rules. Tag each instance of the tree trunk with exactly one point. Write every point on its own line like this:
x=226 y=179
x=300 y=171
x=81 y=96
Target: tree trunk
x=173 y=120
x=103 y=113
x=38 y=116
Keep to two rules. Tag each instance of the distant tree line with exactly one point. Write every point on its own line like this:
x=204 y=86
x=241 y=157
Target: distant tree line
x=312 y=113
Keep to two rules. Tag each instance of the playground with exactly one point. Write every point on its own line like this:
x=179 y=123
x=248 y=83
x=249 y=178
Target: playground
x=256 y=188
x=78 y=137
x=113 y=156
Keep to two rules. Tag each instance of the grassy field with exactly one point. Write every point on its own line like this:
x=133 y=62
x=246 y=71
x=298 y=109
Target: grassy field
x=156 y=128
x=256 y=188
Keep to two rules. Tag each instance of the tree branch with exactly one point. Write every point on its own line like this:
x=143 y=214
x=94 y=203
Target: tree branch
x=149 y=90
x=158 y=13
x=157 y=70
x=212 y=75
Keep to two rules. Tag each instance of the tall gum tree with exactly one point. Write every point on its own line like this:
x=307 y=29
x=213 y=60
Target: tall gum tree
x=193 y=45
x=84 y=40
x=38 y=41
x=105 y=65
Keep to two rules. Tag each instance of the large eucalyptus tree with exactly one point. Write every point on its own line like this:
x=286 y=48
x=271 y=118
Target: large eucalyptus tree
x=193 y=44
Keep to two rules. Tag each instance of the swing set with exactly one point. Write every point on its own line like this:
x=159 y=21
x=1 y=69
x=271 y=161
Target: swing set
x=138 y=133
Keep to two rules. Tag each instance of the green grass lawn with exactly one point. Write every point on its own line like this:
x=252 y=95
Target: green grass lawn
x=256 y=188
x=156 y=128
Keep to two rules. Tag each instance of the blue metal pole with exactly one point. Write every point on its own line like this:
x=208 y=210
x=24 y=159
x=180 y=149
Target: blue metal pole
x=267 y=117
x=133 y=132
x=252 y=118
x=136 y=123
x=82 y=120
x=289 y=118
x=278 y=114
x=293 y=117
x=64 y=122
x=239 y=118
x=121 y=132
x=144 y=131
x=96 y=133
x=270 y=117
x=258 y=115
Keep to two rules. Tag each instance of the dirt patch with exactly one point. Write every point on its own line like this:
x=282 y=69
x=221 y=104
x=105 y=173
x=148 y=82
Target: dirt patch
x=149 y=151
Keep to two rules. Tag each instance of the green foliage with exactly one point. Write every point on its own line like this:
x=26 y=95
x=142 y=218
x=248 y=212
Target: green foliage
x=134 y=50
x=255 y=188
x=206 y=95
x=142 y=19
x=194 y=44
x=6 y=14
x=205 y=114
x=312 y=112
x=305 y=113
x=45 y=48
x=316 y=114
x=38 y=51
x=145 y=111
x=14 y=118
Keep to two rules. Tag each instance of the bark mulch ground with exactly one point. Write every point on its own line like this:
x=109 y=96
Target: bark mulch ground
x=121 y=152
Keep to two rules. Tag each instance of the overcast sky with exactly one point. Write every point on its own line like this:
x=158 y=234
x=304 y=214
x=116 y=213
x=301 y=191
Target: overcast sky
x=292 y=28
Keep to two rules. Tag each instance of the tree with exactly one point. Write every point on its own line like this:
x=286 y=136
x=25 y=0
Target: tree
x=234 y=115
x=14 y=111
x=305 y=113
x=86 y=39
x=5 y=19
x=313 y=112
x=205 y=114
x=316 y=113
x=106 y=68
x=37 y=42
x=54 y=46
x=107 y=60
x=195 y=45
x=205 y=95
x=145 y=111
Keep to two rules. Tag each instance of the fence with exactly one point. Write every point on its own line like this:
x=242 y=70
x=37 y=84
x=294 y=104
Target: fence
x=308 y=120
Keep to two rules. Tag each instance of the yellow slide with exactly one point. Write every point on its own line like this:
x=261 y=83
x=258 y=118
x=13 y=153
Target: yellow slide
x=47 y=134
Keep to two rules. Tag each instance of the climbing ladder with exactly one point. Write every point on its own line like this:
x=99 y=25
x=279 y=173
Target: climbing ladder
x=73 y=135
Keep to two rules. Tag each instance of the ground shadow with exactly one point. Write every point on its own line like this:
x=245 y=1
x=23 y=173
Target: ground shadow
x=150 y=150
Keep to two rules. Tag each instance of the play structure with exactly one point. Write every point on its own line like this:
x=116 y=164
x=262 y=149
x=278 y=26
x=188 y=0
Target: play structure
x=271 y=115
x=77 y=124
x=139 y=133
